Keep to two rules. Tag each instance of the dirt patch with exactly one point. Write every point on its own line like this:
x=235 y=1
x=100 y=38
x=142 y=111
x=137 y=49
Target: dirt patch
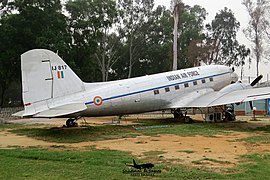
x=10 y=140
x=196 y=151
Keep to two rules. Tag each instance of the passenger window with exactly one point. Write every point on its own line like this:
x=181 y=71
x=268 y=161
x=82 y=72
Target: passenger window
x=167 y=89
x=156 y=92
x=186 y=85
x=203 y=81
x=211 y=79
x=176 y=87
x=195 y=83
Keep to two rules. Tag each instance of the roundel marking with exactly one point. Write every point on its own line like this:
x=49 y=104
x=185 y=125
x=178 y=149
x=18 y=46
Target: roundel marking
x=98 y=100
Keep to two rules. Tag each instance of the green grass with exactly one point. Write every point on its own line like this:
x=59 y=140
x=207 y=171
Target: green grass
x=264 y=139
x=255 y=166
x=44 y=164
x=107 y=164
x=186 y=130
x=10 y=126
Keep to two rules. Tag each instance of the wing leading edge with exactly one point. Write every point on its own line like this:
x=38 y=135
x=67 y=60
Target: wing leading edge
x=214 y=98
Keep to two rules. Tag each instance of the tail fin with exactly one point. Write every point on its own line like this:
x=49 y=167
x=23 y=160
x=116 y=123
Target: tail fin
x=46 y=76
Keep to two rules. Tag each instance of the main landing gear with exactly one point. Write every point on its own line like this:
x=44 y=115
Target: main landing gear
x=178 y=114
x=72 y=122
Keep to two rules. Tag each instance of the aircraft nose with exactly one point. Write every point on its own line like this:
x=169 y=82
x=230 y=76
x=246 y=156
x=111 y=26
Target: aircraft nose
x=234 y=77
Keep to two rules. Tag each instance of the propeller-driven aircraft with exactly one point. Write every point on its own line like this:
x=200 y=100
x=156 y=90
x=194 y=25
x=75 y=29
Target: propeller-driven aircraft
x=52 y=89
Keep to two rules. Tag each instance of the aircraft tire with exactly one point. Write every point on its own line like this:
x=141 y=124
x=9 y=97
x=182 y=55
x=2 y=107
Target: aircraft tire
x=71 y=123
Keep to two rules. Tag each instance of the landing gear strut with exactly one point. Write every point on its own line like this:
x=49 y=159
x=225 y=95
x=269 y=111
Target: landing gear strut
x=72 y=122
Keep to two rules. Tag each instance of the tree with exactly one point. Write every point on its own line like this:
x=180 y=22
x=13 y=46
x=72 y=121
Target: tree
x=191 y=30
x=108 y=43
x=108 y=53
x=157 y=52
x=176 y=6
x=135 y=17
x=256 y=29
x=35 y=24
x=221 y=43
x=89 y=23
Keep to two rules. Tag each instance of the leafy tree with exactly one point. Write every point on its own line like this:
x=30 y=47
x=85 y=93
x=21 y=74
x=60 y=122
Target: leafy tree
x=108 y=53
x=158 y=47
x=223 y=48
x=135 y=17
x=155 y=53
x=257 y=27
x=190 y=30
x=89 y=24
x=36 y=24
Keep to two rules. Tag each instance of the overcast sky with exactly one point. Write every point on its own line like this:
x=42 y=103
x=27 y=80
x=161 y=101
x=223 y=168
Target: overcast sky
x=214 y=6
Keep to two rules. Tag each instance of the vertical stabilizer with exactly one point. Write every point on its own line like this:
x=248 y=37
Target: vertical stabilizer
x=46 y=76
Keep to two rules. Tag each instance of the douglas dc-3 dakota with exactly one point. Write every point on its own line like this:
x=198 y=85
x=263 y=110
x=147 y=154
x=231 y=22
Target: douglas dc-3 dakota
x=51 y=89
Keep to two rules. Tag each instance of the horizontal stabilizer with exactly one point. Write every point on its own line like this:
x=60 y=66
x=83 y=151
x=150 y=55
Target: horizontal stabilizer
x=62 y=110
x=18 y=114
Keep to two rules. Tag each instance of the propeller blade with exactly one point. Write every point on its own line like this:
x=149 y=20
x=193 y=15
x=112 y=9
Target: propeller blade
x=255 y=81
x=251 y=105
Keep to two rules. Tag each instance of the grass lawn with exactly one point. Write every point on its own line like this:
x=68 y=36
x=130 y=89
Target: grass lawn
x=60 y=163
x=106 y=164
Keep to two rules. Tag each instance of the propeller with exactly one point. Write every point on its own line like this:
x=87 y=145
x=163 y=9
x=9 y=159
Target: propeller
x=253 y=83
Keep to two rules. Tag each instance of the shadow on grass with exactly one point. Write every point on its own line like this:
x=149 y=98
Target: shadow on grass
x=75 y=135
x=106 y=132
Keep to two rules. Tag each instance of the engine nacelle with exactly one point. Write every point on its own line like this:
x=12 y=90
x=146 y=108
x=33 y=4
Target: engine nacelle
x=234 y=87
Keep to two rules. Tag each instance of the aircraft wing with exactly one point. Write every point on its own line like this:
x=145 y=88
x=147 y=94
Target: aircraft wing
x=209 y=97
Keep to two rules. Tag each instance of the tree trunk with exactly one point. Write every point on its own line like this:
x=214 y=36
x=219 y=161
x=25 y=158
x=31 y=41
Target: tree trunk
x=175 y=31
x=3 y=90
x=130 y=59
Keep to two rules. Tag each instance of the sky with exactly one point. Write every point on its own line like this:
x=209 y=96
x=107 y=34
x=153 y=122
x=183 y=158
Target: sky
x=214 y=6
